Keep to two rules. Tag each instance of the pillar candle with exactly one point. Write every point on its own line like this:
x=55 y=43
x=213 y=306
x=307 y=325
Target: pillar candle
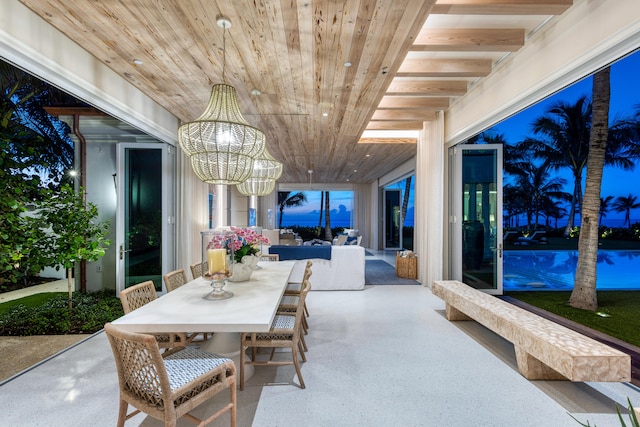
x=217 y=260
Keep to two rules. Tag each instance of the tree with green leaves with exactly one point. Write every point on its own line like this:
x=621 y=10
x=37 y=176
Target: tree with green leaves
x=76 y=234
x=626 y=204
x=288 y=200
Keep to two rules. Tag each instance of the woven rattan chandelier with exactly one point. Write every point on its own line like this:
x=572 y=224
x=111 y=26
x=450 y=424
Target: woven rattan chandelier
x=221 y=144
x=266 y=170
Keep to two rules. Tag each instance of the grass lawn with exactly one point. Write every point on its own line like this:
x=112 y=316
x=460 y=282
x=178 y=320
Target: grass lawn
x=48 y=313
x=617 y=315
x=31 y=301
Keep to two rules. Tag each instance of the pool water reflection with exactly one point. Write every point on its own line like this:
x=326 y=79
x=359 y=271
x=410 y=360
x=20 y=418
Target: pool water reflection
x=555 y=270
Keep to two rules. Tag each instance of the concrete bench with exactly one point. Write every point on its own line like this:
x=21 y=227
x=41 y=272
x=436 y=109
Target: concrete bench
x=544 y=349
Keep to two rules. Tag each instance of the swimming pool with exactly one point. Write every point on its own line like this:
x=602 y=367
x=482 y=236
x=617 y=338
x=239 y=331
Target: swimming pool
x=555 y=270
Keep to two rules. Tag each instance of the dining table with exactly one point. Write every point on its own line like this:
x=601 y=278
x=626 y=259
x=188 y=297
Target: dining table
x=252 y=308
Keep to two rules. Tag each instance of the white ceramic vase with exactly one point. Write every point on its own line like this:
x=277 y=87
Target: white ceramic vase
x=242 y=270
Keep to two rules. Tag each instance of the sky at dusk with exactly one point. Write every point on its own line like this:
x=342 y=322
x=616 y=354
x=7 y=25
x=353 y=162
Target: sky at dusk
x=625 y=101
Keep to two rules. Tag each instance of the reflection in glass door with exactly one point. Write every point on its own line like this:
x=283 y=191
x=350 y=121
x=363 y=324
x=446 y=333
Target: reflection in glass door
x=479 y=214
x=140 y=212
x=392 y=219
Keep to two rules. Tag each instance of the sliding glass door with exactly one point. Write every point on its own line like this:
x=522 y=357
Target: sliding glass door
x=476 y=226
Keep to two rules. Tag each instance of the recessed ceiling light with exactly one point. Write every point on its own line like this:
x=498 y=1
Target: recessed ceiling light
x=355 y=170
x=347 y=64
x=255 y=92
x=138 y=61
x=368 y=155
x=325 y=114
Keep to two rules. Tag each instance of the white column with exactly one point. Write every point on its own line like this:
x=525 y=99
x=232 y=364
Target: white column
x=429 y=201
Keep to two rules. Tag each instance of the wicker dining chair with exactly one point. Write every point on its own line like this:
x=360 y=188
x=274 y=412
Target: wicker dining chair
x=174 y=279
x=285 y=332
x=138 y=295
x=198 y=268
x=294 y=288
x=168 y=388
x=289 y=304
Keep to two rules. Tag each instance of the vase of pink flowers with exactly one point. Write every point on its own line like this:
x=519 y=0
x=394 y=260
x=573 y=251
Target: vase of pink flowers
x=246 y=252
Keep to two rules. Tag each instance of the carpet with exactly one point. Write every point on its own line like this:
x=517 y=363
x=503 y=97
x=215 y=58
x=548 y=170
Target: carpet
x=378 y=272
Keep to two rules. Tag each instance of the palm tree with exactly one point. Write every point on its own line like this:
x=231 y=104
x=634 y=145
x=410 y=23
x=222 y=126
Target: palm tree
x=288 y=200
x=22 y=100
x=538 y=190
x=327 y=215
x=565 y=131
x=625 y=204
x=605 y=206
x=321 y=212
x=584 y=294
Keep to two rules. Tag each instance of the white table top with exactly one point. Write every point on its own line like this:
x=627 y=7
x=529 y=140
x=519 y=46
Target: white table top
x=251 y=309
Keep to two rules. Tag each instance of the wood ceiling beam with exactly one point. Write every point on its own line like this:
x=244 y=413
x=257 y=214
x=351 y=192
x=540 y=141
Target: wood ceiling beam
x=413 y=103
x=427 y=87
x=395 y=125
x=469 y=40
x=501 y=7
x=424 y=67
x=411 y=115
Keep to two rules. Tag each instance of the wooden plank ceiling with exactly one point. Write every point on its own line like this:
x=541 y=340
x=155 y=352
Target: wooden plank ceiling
x=313 y=75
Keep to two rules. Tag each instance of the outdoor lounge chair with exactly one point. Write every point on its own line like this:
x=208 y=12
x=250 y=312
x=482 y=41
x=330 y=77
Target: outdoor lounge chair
x=538 y=237
x=511 y=236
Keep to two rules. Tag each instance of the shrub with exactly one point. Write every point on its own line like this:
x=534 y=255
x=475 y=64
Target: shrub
x=91 y=311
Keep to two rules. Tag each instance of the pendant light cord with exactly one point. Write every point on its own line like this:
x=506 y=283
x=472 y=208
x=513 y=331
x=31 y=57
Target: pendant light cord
x=224 y=52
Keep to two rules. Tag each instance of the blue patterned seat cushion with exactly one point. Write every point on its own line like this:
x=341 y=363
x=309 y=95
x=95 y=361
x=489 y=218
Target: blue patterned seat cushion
x=282 y=322
x=296 y=287
x=290 y=300
x=188 y=364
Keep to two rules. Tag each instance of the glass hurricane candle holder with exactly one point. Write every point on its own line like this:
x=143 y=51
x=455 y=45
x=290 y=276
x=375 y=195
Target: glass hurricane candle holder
x=217 y=261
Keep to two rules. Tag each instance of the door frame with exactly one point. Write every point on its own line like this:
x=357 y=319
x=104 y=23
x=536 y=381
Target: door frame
x=167 y=203
x=456 y=209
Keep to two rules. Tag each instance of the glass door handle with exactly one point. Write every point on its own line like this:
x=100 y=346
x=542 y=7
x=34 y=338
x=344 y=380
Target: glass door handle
x=123 y=251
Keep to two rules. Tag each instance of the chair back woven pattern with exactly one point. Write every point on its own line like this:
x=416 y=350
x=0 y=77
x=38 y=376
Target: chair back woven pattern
x=168 y=388
x=175 y=279
x=198 y=268
x=137 y=295
x=137 y=361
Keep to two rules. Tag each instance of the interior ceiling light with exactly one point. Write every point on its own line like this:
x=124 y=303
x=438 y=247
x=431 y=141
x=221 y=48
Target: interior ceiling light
x=347 y=64
x=221 y=144
x=138 y=61
x=266 y=170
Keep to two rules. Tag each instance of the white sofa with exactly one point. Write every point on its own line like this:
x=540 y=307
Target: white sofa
x=344 y=271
